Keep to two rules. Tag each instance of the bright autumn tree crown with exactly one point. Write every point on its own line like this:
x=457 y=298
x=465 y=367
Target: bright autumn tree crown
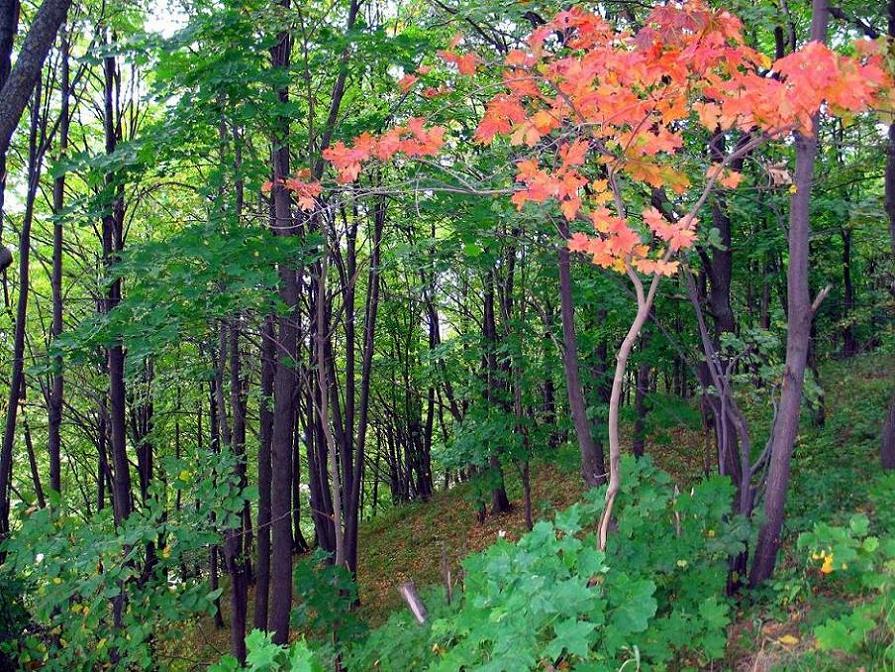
x=598 y=112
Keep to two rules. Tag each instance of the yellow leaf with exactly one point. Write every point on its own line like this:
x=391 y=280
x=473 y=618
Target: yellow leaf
x=788 y=640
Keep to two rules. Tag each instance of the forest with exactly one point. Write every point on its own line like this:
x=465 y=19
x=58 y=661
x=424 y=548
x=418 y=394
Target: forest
x=398 y=335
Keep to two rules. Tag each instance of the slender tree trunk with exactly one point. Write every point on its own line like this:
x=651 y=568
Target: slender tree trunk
x=262 y=564
x=285 y=381
x=642 y=387
x=887 y=445
x=25 y=74
x=32 y=462
x=323 y=410
x=235 y=439
x=372 y=307
x=55 y=396
x=849 y=343
x=113 y=242
x=17 y=375
x=214 y=440
x=9 y=25
x=797 y=341
x=593 y=469
x=500 y=503
x=643 y=308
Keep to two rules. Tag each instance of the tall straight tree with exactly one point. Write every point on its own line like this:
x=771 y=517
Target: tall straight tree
x=265 y=420
x=887 y=443
x=112 y=245
x=798 y=336
x=285 y=379
x=17 y=375
x=593 y=467
x=56 y=390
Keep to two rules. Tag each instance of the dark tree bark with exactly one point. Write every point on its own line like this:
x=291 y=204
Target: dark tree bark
x=500 y=503
x=112 y=244
x=849 y=342
x=285 y=380
x=22 y=78
x=55 y=396
x=593 y=465
x=641 y=381
x=214 y=440
x=352 y=514
x=17 y=375
x=798 y=339
x=887 y=445
x=32 y=462
x=718 y=267
x=9 y=25
x=262 y=564
x=234 y=438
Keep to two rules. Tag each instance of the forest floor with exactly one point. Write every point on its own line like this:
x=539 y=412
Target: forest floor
x=407 y=542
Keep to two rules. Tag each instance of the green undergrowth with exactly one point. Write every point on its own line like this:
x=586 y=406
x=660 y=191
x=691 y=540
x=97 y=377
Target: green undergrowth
x=830 y=605
x=805 y=618
x=549 y=600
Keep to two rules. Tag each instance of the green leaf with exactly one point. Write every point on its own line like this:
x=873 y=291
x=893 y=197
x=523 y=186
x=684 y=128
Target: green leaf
x=573 y=636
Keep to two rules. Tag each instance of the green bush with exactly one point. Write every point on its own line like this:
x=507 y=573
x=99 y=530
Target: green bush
x=265 y=656
x=72 y=571
x=553 y=599
x=859 y=565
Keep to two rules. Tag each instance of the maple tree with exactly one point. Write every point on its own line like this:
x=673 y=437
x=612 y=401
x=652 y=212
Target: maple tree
x=599 y=115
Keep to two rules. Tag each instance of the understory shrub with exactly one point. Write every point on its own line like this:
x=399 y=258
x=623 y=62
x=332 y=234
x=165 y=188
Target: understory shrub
x=553 y=600
x=857 y=562
x=74 y=571
x=265 y=656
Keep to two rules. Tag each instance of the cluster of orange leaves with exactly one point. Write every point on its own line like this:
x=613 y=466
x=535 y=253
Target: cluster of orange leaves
x=304 y=192
x=584 y=95
x=413 y=140
x=599 y=108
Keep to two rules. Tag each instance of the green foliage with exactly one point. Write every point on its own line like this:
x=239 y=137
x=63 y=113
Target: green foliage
x=265 y=656
x=75 y=571
x=862 y=565
x=14 y=618
x=553 y=599
x=327 y=594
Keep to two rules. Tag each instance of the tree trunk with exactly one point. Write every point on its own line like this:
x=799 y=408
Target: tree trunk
x=214 y=431
x=642 y=387
x=593 y=469
x=323 y=411
x=849 y=343
x=113 y=243
x=798 y=338
x=262 y=564
x=234 y=551
x=285 y=380
x=55 y=396
x=17 y=375
x=352 y=515
x=23 y=76
x=499 y=501
x=887 y=444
